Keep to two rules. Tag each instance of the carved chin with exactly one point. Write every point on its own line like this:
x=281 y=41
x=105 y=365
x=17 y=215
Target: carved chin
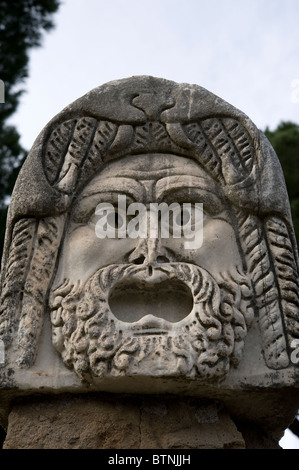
x=127 y=320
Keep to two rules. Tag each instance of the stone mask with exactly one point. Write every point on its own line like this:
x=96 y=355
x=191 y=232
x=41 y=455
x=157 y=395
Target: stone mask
x=149 y=306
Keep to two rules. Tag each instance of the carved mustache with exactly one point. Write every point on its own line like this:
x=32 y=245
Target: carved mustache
x=160 y=298
x=197 y=279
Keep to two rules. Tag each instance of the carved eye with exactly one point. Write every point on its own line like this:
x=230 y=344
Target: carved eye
x=109 y=221
x=115 y=220
x=183 y=217
x=186 y=219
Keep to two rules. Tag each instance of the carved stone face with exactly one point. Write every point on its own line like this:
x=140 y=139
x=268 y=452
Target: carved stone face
x=148 y=179
x=126 y=305
x=152 y=309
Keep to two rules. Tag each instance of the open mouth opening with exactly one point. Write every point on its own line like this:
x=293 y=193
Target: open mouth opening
x=169 y=300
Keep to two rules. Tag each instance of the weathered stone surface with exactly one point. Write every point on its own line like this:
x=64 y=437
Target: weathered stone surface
x=120 y=423
x=213 y=316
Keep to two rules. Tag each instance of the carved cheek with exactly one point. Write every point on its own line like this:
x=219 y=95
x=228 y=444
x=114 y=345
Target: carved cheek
x=83 y=254
x=219 y=251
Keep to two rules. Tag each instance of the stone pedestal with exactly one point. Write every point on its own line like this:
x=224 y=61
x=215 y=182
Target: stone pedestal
x=128 y=422
x=97 y=422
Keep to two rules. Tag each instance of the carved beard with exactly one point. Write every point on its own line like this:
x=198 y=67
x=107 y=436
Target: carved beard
x=210 y=339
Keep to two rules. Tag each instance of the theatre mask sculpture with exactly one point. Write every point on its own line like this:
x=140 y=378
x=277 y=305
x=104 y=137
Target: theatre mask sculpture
x=122 y=297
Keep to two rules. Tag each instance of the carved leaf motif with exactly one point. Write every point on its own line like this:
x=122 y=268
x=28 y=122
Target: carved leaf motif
x=56 y=149
x=266 y=290
x=77 y=149
x=286 y=272
x=19 y=258
x=42 y=264
x=243 y=143
x=143 y=136
x=81 y=138
x=207 y=154
x=232 y=144
x=103 y=137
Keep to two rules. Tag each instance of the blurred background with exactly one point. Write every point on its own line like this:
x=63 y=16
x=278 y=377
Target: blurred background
x=245 y=51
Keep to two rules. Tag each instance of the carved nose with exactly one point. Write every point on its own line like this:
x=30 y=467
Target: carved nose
x=149 y=251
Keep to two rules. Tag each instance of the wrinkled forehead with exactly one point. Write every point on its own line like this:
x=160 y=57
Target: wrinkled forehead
x=153 y=167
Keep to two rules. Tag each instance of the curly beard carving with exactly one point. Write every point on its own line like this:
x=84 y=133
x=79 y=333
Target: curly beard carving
x=204 y=344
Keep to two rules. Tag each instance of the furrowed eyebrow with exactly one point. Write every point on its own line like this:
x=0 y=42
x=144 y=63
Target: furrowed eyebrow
x=108 y=191
x=83 y=209
x=190 y=189
x=177 y=182
x=116 y=184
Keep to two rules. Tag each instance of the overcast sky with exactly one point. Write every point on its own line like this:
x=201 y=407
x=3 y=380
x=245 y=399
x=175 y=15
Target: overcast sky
x=245 y=51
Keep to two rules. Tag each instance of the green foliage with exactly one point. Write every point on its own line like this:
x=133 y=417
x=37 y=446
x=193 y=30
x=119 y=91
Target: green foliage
x=22 y=24
x=11 y=157
x=285 y=141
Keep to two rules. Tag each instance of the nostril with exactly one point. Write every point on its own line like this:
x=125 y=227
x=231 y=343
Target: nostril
x=162 y=259
x=139 y=260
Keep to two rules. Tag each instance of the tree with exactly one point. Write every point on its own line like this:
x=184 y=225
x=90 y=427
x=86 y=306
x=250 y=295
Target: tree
x=22 y=24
